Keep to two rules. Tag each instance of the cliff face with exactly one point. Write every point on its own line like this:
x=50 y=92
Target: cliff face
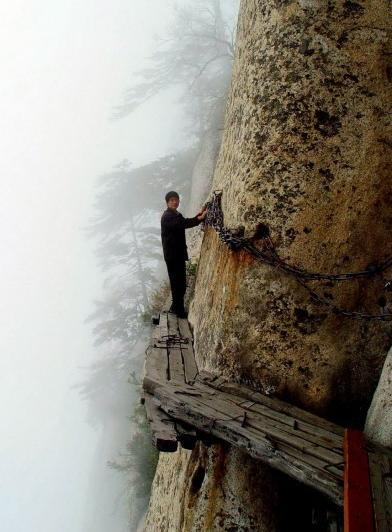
x=378 y=426
x=210 y=489
x=304 y=151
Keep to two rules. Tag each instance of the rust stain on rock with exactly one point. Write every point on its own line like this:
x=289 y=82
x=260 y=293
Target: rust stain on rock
x=301 y=154
x=305 y=151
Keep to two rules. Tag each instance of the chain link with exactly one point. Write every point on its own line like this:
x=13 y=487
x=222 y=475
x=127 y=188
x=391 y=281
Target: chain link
x=269 y=255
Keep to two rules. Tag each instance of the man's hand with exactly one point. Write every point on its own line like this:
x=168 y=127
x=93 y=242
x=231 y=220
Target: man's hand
x=201 y=216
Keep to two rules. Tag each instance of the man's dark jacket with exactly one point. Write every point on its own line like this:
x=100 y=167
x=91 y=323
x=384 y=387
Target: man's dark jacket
x=173 y=226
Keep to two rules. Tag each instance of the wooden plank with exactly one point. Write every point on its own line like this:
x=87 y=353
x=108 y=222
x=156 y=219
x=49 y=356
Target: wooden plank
x=282 y=433
x=205 y=418
x=164 y=434
x=156 y=365
x=269 y=451
x=329 y=463
x=176 y=366
x=358 y=510
x=332 y=467
x=157 y=370
x=326 y=438
x=172 y=323
x=288 y=425
x=380 y=466
x=335 y=472
x=163 y=325
x=188 y=355
x=274 y=403
x=376 y=482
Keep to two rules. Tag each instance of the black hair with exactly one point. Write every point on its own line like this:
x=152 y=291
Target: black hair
x=171 y=194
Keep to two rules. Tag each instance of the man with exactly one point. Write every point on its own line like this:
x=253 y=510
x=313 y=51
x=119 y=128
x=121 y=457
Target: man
x=173 y=226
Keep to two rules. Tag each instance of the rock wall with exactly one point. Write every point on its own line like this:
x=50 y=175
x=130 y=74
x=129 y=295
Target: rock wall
x=306 y=151
x=209 y=489
x=201 y=181
x=378 y=427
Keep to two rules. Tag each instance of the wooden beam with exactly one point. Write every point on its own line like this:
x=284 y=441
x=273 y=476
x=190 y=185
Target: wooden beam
x=176 y=366
x=277 y=432
x=156 y=365
x=272 y=402
x=163 y=431
x=380 y=465
x=287 y=424
x=186 y=435
x=358 y=510
x=188 y=354
x=191 y=409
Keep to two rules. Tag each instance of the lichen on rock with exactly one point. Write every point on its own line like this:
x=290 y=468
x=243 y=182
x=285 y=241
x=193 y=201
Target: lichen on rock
x=305 y=151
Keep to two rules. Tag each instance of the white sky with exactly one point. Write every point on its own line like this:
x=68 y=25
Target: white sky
x=64 y=65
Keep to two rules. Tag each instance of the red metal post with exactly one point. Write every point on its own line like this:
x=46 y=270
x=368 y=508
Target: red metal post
x=358 y=506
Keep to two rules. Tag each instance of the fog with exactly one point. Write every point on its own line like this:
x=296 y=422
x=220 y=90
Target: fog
x=64 y=67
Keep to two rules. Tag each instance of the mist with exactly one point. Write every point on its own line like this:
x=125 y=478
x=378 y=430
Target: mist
x=64 y=67
x=72 y=124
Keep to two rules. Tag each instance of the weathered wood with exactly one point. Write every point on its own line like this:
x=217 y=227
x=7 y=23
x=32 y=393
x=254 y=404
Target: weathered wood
x=189 y=405
x=172 y=323
x=358 y=509
x=176 y=366
x=380 y=466
x=156 y=365
x=186 y=435
x=334 y=471
x=274 y=403
x=188 y=355
x=156 y=370
x=164 y=434
x=205 y=418
x=289 y=428
x=326 y=438
x=163 y=325
x=282 y=433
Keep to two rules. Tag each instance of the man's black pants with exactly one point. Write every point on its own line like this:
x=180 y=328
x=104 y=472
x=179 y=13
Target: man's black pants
x=177 y=276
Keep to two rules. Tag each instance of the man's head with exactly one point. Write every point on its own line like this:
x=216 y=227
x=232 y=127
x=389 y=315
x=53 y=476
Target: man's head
x=172 y=199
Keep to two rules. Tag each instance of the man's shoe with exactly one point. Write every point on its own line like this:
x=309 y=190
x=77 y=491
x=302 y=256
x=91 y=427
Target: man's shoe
x=182 y=315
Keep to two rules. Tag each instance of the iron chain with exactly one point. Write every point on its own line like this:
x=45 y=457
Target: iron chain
x=269 y=255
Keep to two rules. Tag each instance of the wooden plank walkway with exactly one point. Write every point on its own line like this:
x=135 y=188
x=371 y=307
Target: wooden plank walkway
x=184 y=405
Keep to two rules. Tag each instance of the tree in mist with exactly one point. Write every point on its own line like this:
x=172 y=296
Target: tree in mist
x=139 y=463
x=196 y=55
x=126 y=224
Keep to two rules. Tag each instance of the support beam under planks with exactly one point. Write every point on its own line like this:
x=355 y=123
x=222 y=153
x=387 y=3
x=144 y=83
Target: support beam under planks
x=164 y=434
x=380 y=466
